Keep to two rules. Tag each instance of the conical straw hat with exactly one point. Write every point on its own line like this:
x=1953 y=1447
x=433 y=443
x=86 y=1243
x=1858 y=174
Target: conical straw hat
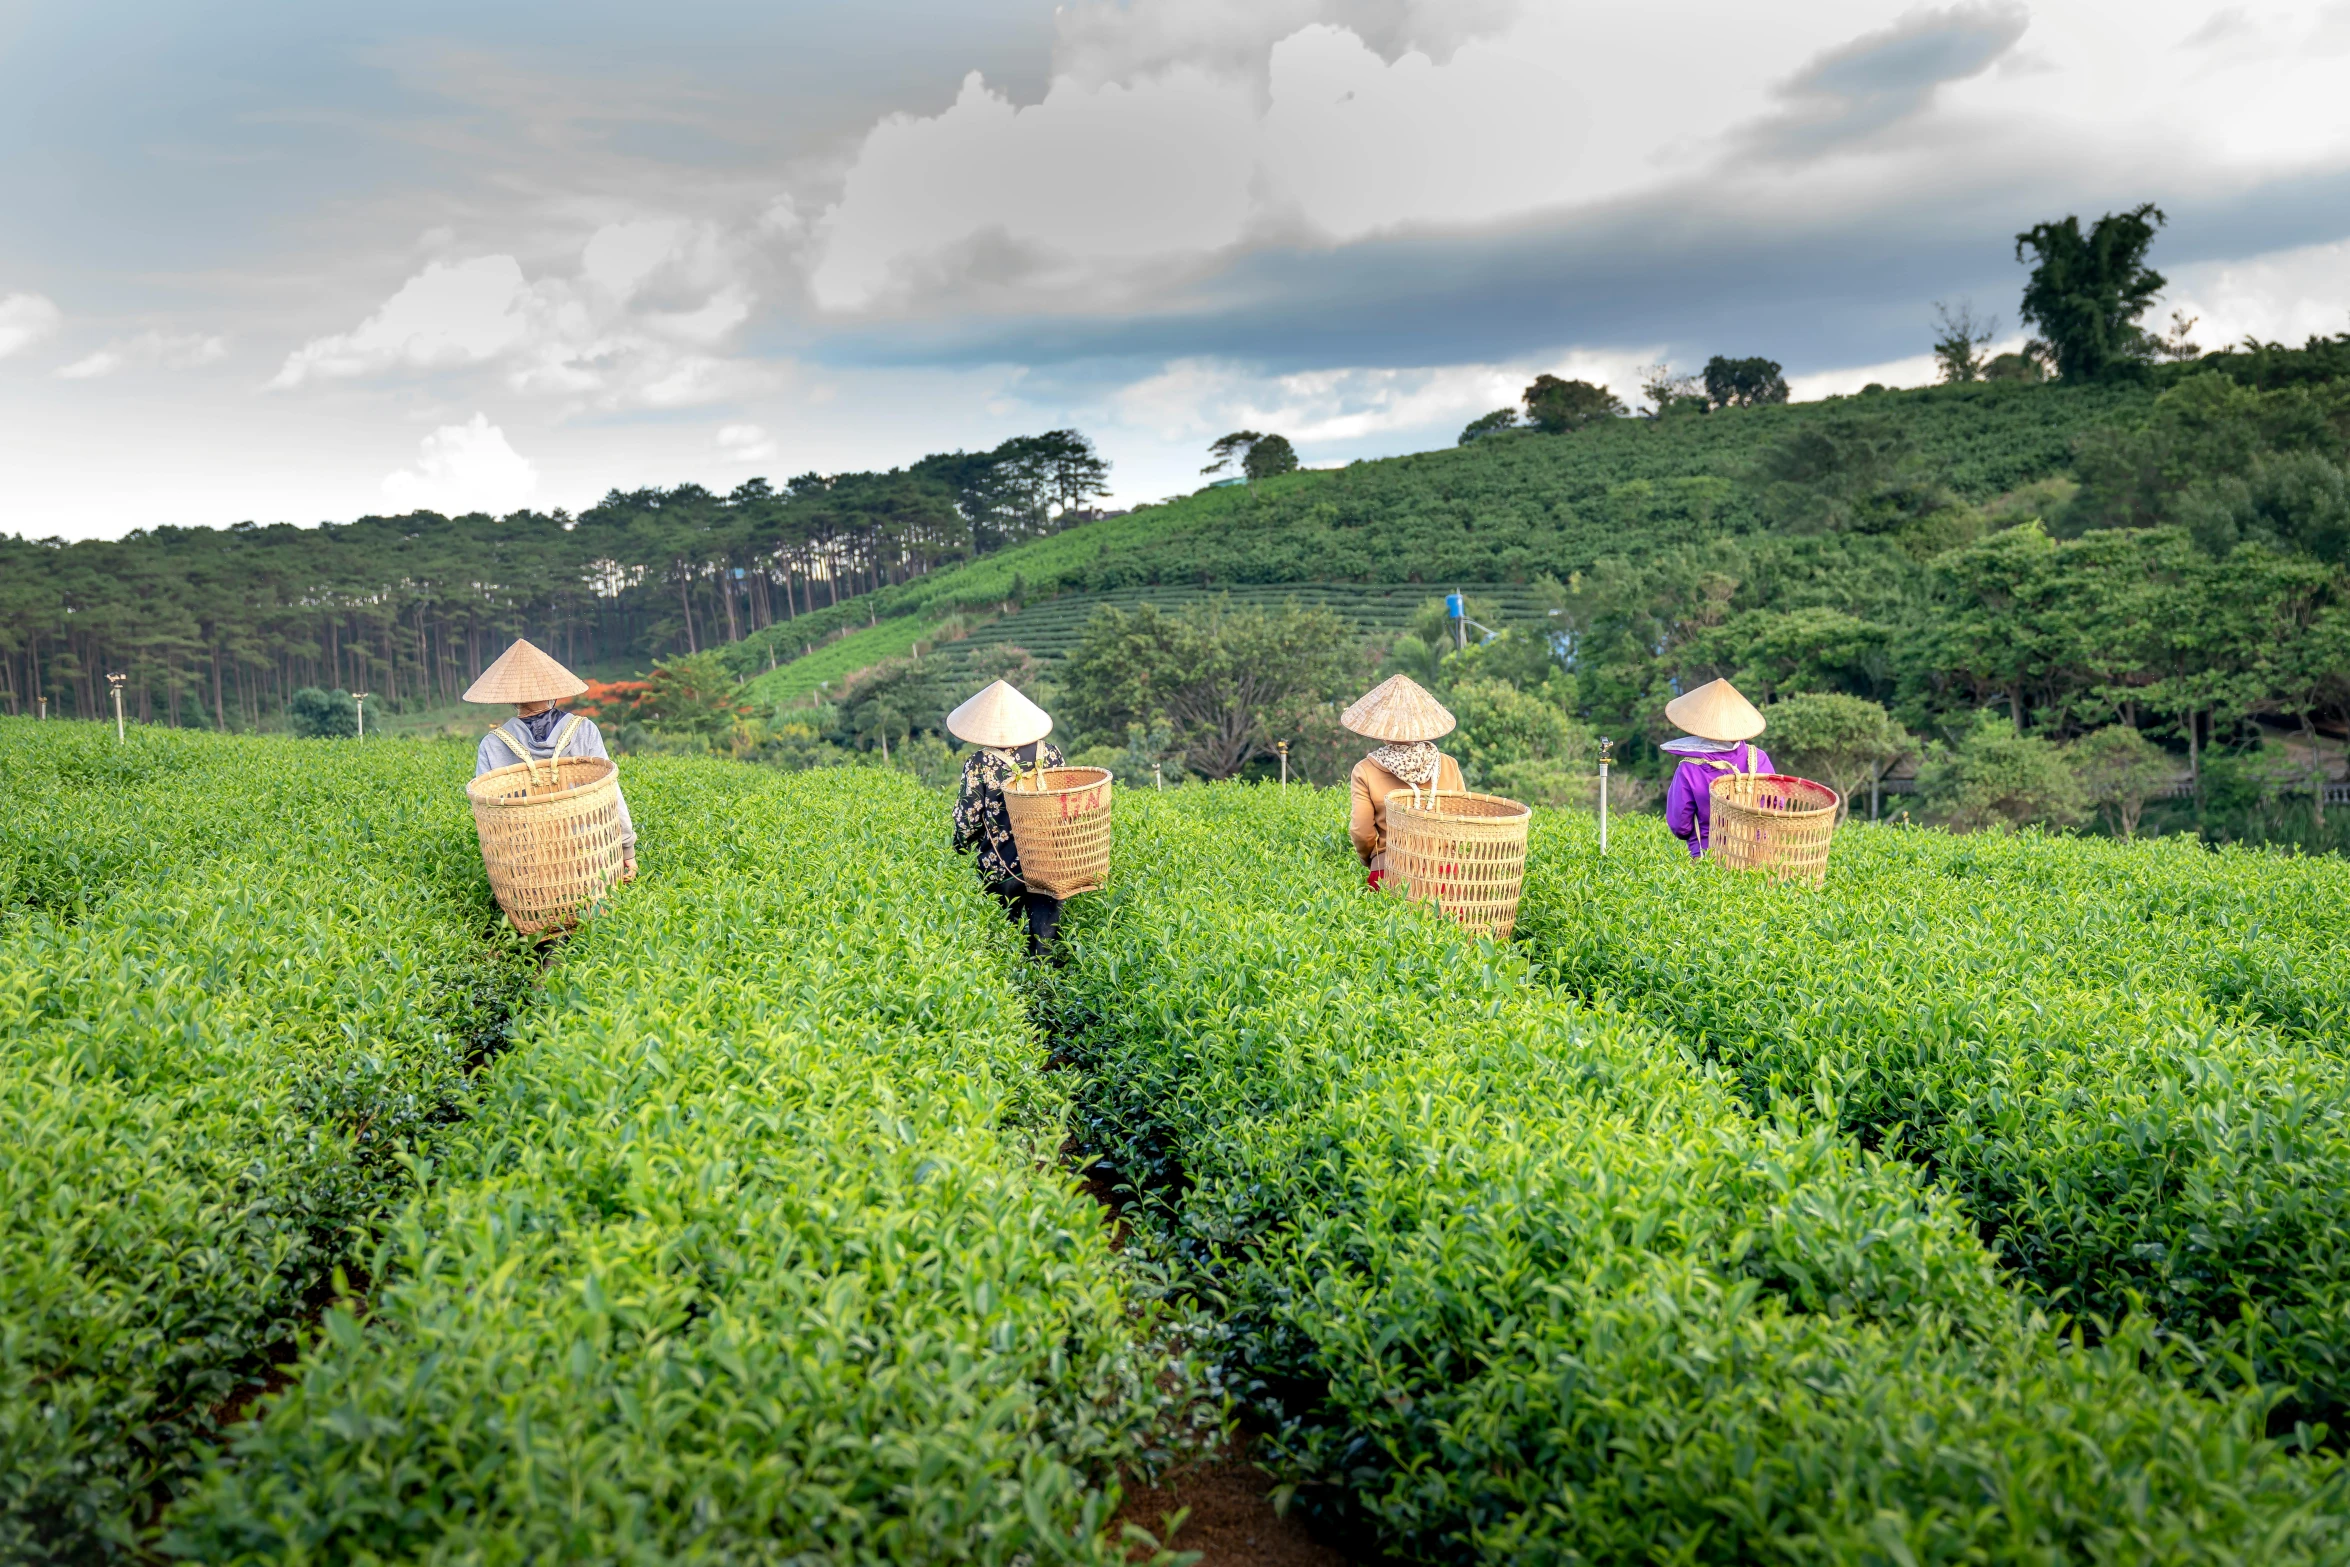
x=999 y=716
x=524 y=674
x=1715 y=711
x=1398 y=709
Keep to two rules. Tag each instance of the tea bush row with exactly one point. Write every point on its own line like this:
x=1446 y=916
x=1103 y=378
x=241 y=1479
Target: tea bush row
x=1512 y=1279
x=238 y=988
x=756 y=1248
x=2126 y=1061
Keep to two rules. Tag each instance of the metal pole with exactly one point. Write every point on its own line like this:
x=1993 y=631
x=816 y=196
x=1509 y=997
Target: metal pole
x=1157 y=782
x=1604 y=747
x=115 y=682
x=360 y=697
x=44 y=701
x=1282 y=747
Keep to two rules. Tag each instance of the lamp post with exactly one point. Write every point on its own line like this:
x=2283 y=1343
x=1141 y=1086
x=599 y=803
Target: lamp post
x=1605 y=747
x=1281 y=749
x=1157 y=782
x=360 y=699
x=114 y=683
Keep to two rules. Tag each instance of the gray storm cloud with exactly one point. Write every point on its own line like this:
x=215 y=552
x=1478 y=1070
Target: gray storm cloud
x=1878 y=80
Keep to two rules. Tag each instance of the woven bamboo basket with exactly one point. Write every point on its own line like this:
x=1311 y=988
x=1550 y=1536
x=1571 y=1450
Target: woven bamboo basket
x=550 y=837
x=1464 y=852
x=1061 y=821
x=1774 y=823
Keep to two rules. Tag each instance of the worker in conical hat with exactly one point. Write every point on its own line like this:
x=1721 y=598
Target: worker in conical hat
x=540 y=729
x=1720 y=723
x=1400 y=713
x=1008 y=732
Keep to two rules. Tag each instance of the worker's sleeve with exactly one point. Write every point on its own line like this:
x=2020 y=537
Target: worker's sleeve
x=1681 y=801
x=490 y=755
x=1362 y=818
x=1448 y=776
x=968 y=808
x=588 y=740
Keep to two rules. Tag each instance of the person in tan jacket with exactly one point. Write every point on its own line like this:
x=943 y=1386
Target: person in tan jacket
x=1399 y=712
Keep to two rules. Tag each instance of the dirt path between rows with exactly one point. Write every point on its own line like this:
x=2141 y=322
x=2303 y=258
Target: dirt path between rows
x=1232 y=1522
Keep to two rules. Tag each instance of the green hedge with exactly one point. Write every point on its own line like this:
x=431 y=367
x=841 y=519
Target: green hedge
x=1513 y=1279
x=757 y=1248
x=2126 y=1061
x=240 y=982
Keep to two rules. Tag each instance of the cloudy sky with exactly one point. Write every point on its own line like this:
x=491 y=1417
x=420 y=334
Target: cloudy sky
x=291 y=261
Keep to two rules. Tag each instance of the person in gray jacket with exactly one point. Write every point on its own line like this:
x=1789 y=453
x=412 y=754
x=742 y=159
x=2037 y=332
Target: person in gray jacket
x=540 y=729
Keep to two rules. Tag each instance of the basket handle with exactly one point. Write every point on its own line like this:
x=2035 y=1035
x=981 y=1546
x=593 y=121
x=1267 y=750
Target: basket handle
x=563 y=736
x=529 y=763
x=519 y=753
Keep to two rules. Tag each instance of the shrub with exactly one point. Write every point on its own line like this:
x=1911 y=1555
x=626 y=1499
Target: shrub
x=1518 y=743
x=694 y=696
x=1844 y=741
x=323 y=715
x=2120 y=770
x=1995 y=777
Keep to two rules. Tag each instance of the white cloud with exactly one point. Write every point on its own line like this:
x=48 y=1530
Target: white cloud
x=1108 y=189
x=1176 y=135
x=745 y=443
x=162 y=350
x=24 y=320
x=2285 y=297
x=451 y=313
x=633 y=327
x=997 y=201
x=1354 y=144
x=1097 y=41
x=463 y=468
x=1199 y=399
x=1912 y=370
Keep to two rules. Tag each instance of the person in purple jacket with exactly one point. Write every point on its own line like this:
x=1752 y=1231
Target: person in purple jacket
x=1721 y=723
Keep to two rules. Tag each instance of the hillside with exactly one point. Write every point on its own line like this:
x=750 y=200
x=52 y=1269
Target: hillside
x=1503 y=510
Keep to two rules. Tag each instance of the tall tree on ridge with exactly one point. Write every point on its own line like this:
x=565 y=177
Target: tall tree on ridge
x=1744 y=383
x=1958 y=352
x=2087 y=291
x=1556 y=406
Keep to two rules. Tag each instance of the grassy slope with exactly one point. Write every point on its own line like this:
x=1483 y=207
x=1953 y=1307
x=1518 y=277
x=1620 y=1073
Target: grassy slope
x=796 y=683
x=1503 y=510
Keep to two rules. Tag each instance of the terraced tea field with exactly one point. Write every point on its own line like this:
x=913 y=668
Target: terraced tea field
x=738 y=1234
x=1513 y=1270
x=1984 y=1207
x=1049 y=629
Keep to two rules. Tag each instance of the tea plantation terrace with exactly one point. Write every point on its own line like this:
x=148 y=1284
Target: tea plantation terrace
x=1982 y=1206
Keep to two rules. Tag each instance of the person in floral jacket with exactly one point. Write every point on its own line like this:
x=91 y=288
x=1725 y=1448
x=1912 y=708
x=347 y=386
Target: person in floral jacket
x=1008 y=732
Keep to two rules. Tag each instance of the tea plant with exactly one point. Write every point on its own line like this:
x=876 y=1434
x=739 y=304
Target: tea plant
x=2125 y=1061
x=756 y=1248
x=240 y=982
x=1511 y=1278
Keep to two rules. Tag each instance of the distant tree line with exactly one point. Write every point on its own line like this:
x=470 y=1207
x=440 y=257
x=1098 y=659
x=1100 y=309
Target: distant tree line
x=220 y=627
x=2086 y=292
